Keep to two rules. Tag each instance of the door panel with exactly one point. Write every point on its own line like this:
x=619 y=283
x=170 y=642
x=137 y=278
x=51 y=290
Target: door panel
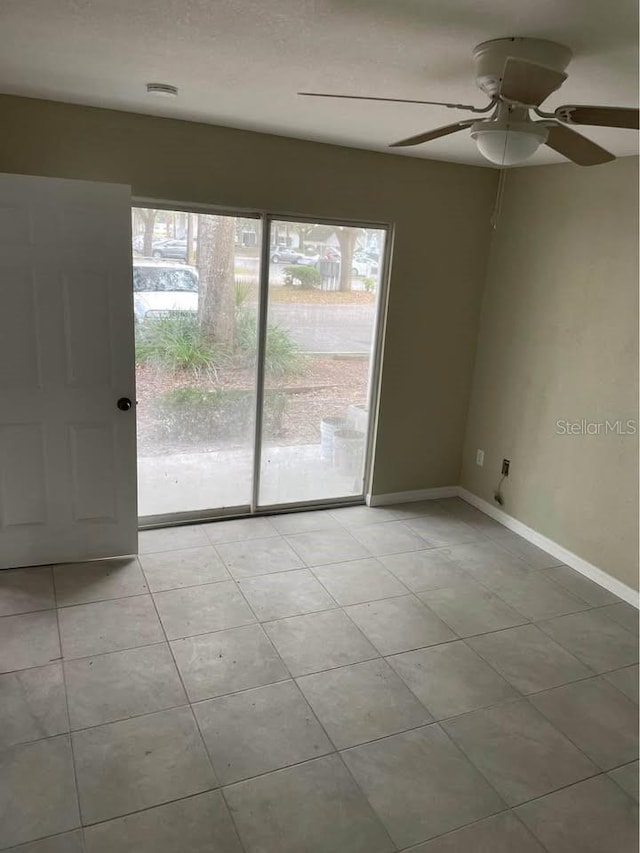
x=93 y=458
x=320 y=333
x=23 y=462
x=15 y=225
x=19 y=344
x=87 y=332
x=67 y=453
x=196 y=364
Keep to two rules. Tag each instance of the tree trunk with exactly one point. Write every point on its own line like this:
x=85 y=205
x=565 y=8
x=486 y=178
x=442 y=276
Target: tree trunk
x=304 y=232
x=216 y=301
x=190 y=253
x=148 y=218
x=347 y=239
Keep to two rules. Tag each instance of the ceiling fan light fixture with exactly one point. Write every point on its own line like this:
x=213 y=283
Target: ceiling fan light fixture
x=509 y=145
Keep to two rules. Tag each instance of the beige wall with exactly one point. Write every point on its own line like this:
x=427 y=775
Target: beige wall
x=558 y=332
x=559 y=339
x=440 y=212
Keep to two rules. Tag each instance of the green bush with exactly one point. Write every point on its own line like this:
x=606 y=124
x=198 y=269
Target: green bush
x=194 y=415
x=305 y=277
x=246 y=325
x=176 y=342
x=242 y=290
x=282 y=357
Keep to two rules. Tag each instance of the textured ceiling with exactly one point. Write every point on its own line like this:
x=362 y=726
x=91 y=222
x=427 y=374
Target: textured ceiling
x=240 y=62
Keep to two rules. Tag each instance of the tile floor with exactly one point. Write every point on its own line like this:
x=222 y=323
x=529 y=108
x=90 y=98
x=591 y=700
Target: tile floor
x=359 y=680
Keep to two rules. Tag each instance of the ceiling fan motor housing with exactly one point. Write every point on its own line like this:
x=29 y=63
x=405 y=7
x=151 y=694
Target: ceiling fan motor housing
x=490 y=57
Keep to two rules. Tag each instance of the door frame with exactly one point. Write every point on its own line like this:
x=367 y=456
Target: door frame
x=266 y=218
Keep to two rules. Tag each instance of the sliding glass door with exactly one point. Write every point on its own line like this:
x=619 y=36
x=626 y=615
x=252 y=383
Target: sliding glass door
x=195 y=281
x=323 y=285
x=254 y=344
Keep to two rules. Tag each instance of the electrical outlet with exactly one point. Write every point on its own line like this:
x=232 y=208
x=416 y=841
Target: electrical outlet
x=505 y=467
x=480 y=457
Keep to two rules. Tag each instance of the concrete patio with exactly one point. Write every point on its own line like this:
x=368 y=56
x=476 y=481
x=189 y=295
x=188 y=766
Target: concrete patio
x=183 y=482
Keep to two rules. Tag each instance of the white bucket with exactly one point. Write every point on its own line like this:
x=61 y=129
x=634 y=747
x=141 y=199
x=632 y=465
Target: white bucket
x=348 y=450
x=328 y=428
x=358 y=417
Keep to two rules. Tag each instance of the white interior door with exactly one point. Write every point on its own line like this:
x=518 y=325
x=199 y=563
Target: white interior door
x=67 y=452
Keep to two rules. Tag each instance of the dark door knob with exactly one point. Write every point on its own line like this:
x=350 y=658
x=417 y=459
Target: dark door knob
x=124 y=404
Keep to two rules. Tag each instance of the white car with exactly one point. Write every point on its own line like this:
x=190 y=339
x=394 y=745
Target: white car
x=363 y=266
x=161 y=289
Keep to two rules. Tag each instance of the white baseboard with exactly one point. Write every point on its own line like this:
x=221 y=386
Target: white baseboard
x=408 y=497
x=604 y=579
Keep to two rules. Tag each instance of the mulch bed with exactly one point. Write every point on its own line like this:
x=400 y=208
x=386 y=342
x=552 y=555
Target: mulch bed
x=326 y=388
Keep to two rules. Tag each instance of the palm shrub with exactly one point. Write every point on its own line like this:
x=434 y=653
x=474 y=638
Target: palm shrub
x=176 y=342
x=282 y=357
x=243 y=288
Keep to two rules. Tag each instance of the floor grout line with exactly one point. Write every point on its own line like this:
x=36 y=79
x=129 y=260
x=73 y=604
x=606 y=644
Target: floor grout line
x=451 y=832
x=528 y=623
x=309 y=567
x=69 y=734
x=520 y=697
x=221 y=789
x=151 y=808
x=336 y=751
x=285 y=665
x=199 y=730
x=510 y=807
x=366 y=799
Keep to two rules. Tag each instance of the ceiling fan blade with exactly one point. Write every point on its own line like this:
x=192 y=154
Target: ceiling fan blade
x=432 y=134
x=397 y=101
x=576 y=147
x=528 y=83
x=599 y=116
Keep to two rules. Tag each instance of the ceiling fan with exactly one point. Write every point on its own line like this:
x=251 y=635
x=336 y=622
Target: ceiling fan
x=518 y=74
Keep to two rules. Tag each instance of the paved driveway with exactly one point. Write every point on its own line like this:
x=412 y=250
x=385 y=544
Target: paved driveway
x=327 y=328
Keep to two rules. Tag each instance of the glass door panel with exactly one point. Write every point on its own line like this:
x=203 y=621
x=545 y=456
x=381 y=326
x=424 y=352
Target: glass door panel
x=195 y=300
x=322 y=298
